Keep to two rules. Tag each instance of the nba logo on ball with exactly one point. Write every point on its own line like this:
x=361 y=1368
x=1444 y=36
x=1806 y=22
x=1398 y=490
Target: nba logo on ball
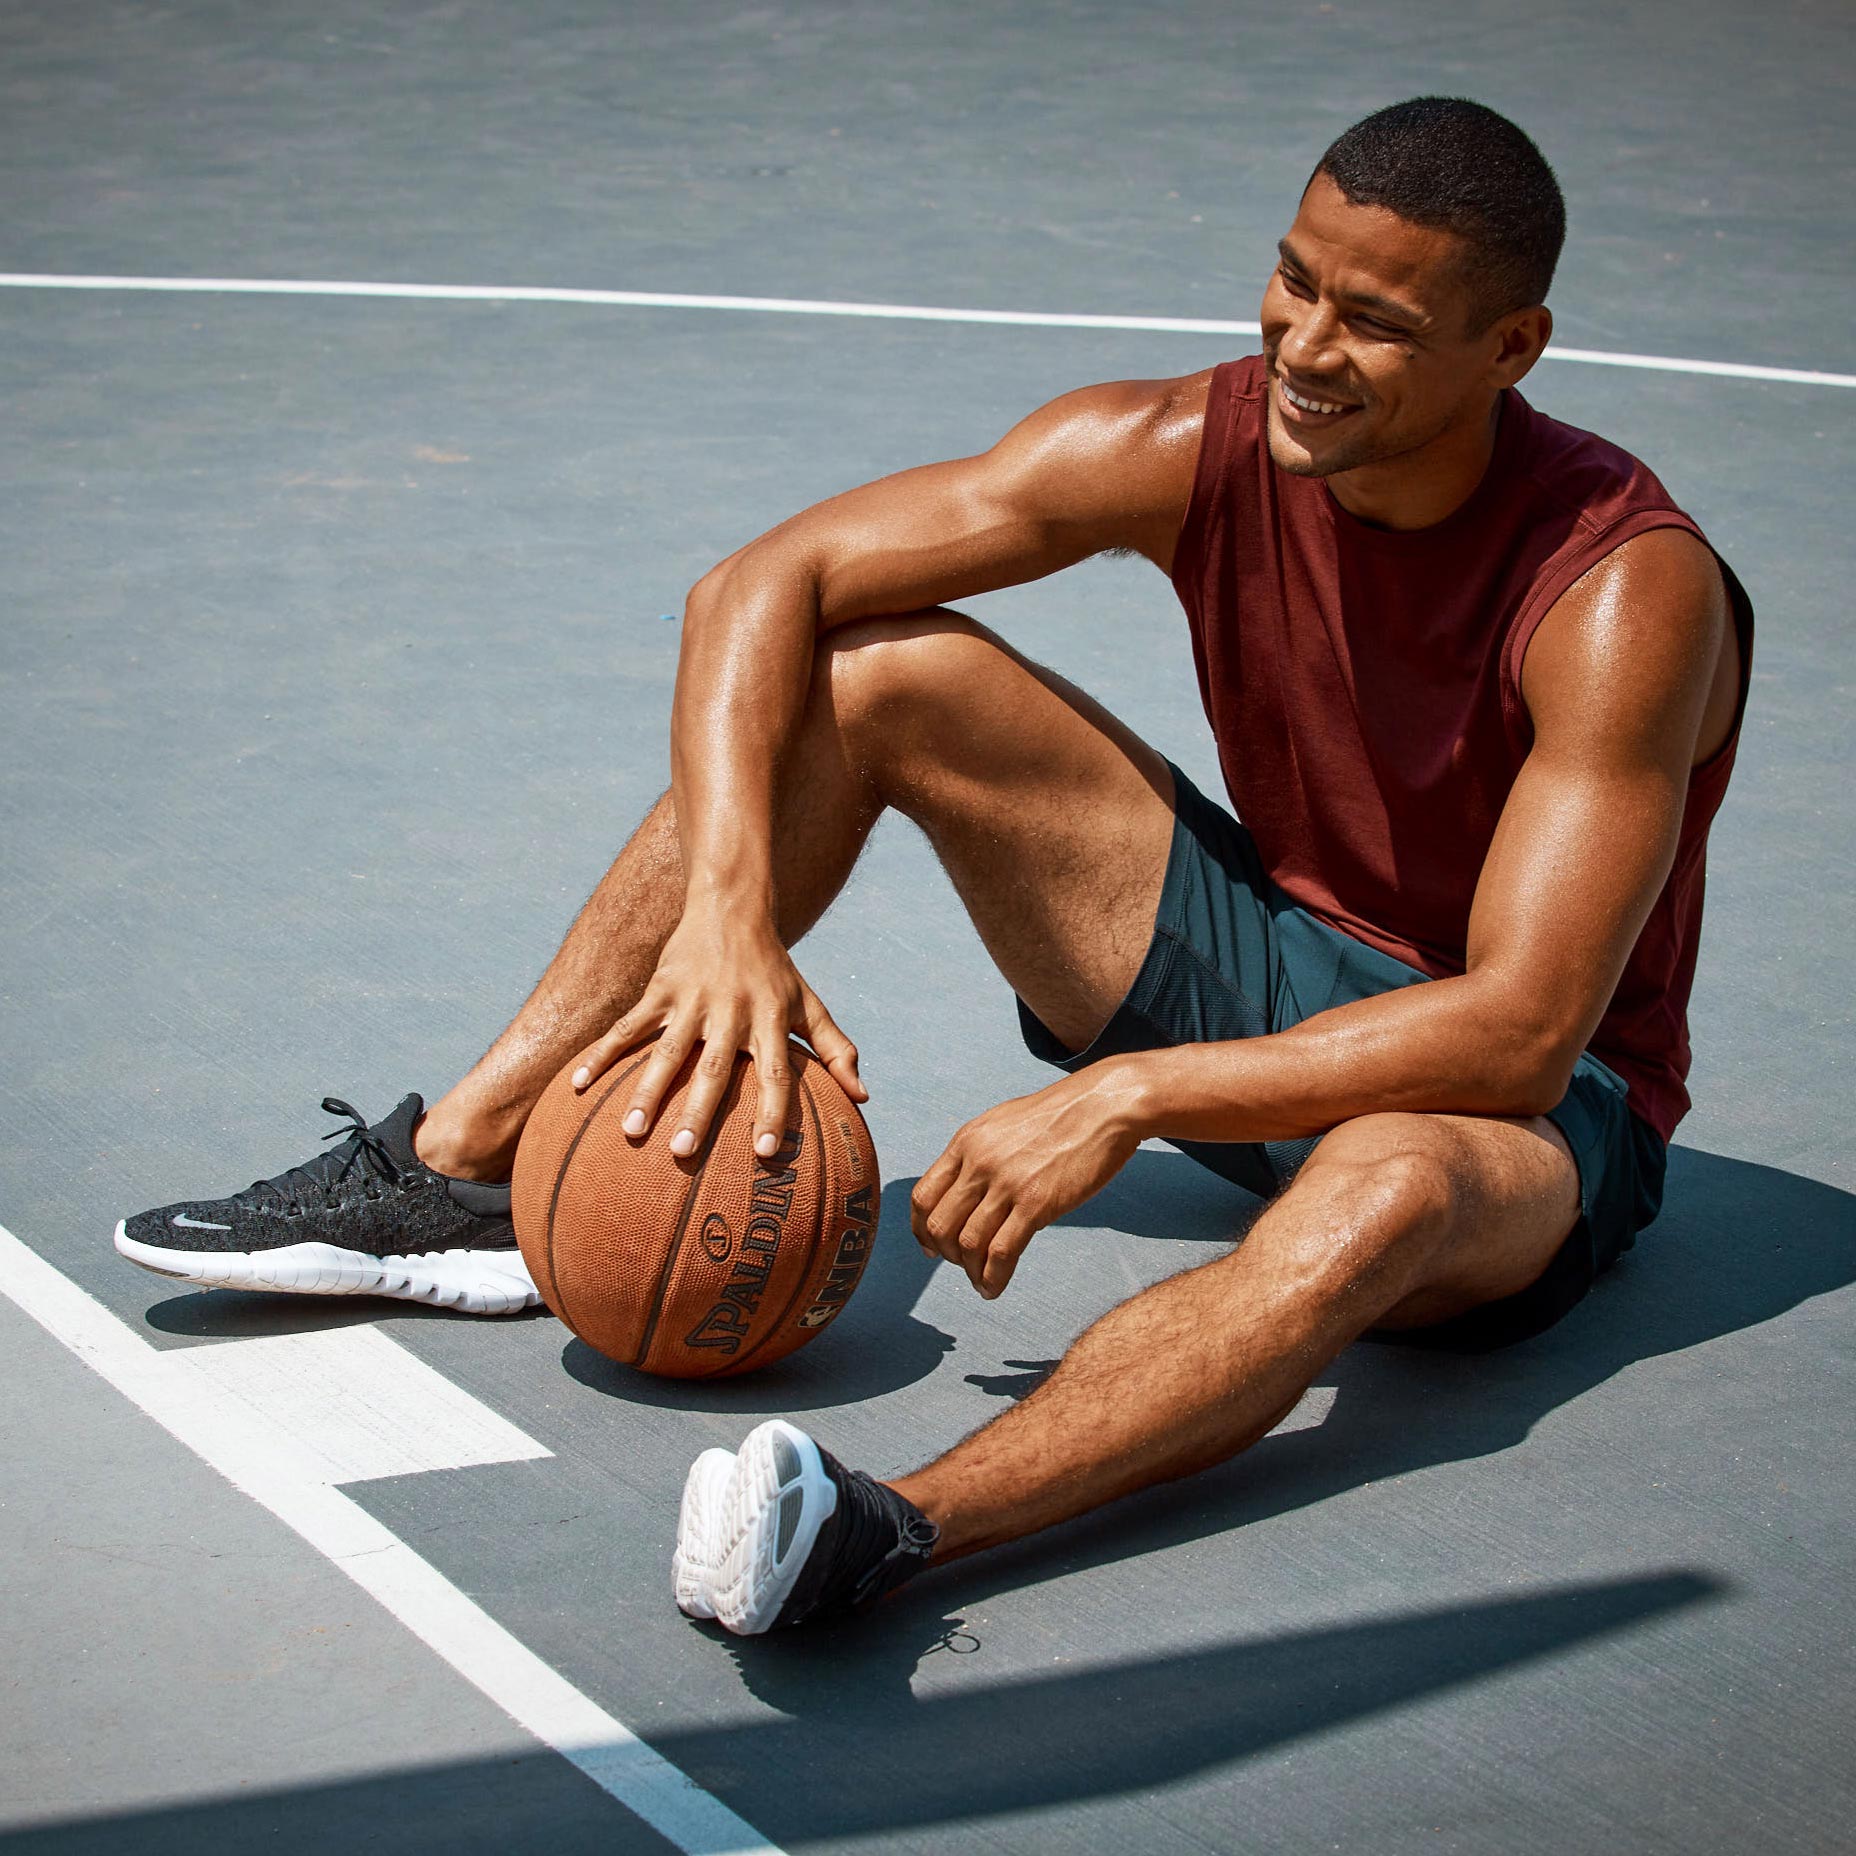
x=848 y=1265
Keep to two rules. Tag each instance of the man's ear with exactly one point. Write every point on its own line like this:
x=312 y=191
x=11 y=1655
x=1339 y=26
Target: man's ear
x=1518 y=339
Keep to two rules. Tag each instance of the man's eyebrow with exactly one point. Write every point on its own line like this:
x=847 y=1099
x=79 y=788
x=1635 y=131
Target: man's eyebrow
x=1364 y=299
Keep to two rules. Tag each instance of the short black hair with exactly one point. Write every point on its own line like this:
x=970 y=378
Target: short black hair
x=1459 y=167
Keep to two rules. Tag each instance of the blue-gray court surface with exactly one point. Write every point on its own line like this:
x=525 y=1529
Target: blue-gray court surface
x=337 y=643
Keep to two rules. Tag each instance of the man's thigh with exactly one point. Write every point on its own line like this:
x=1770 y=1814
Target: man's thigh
x=1503 y=1198
x=1052 y=818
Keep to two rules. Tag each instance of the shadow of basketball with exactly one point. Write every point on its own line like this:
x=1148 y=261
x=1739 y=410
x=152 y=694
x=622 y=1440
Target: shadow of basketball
x=877 y=1345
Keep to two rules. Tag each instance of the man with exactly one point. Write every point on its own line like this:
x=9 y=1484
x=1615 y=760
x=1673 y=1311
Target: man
x=1475 y=684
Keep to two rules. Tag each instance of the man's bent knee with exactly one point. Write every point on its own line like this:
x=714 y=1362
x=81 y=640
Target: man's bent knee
x=1395 y=1176
x=1371 y=1218
x=928 y=702
x=1456 y=1210
x=875 y=673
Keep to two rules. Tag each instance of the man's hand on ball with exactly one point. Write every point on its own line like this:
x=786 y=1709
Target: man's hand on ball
x=1018 y=1167
x=721 y=987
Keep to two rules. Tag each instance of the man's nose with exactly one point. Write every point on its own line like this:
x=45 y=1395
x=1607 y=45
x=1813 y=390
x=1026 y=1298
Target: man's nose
x=1307 y=345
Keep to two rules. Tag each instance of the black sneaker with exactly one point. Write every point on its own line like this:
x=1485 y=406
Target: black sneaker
x=368 y=1217
x=796 y=1537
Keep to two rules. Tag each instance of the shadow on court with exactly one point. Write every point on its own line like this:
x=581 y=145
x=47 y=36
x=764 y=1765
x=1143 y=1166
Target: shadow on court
x=1121 y=1727
x=877 y=1345
x=1738 y=1245
x=1115 y=1729
x=525 y=1801
x=240 y=1314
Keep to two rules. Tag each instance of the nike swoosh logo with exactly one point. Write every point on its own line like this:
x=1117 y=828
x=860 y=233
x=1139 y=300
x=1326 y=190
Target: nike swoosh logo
x=193 y=1224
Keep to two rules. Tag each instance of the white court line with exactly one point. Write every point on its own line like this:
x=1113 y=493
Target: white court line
x=805 y=306
x=264 y=1461
x=363 y=1405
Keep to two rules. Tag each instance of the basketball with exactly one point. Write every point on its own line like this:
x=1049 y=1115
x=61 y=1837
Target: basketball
x=705 y=1266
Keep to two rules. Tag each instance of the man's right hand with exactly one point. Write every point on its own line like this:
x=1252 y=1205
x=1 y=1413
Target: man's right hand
x=1106 y=467
x=721 y=988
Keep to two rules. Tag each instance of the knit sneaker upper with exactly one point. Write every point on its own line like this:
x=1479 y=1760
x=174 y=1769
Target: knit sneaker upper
x=369 y=1193
x=871 y=1543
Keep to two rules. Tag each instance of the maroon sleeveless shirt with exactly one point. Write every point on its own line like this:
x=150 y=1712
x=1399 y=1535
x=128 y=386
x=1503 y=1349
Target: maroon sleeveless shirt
x=1363 y=686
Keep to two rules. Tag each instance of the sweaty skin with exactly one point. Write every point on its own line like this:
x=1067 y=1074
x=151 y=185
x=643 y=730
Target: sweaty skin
x=1383 y=387
x=822 y=682
x=1618 y=682
x=1629 y=681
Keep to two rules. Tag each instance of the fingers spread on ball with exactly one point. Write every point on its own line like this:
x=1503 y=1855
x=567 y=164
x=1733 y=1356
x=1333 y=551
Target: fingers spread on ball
x=836 y=1051
x=653 y=1084
x=773 y=1066
x=715 y=1069
x=639 y=1024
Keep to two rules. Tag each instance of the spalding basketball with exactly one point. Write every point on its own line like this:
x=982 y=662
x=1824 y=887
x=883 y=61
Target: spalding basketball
x=700 y=1267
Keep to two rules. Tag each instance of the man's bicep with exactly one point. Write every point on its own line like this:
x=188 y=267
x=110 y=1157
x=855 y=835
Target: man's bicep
x=1616 y=684
x=1106 y=467
x=1580 y=855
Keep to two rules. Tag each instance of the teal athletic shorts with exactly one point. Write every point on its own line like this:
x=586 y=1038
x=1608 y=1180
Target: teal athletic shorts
x=1233 y=957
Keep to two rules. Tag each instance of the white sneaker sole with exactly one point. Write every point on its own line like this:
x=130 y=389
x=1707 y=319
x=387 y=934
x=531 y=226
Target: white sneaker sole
x=775 y=1503
x=692 y=1566
x=476 y=1282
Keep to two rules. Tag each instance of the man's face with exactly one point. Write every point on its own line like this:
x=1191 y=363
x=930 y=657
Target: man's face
x=1366 y=330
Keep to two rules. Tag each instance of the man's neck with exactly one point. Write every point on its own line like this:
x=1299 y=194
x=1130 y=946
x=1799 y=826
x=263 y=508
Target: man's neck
x=1423 y=487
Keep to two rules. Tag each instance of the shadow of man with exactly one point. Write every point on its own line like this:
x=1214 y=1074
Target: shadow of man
x=946 y=1751
x=1738 y=1245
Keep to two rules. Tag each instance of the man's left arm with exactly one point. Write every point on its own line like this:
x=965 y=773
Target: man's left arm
x=1624 y=684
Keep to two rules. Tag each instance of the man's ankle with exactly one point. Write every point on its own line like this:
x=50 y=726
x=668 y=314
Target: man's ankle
x=464 y=1147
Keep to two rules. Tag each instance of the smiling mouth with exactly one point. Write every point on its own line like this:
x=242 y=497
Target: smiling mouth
x=1307 y=406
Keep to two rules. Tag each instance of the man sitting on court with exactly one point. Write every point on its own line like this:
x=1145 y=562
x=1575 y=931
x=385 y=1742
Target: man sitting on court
x=1475 y=684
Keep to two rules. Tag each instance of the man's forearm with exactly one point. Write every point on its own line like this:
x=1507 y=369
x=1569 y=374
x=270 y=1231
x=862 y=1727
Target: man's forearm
x=1455 y=1046
x=749 y=631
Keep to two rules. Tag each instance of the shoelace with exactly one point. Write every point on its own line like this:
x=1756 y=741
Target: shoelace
x=871 y=1517
x=369 y=1150
x=915 y=1540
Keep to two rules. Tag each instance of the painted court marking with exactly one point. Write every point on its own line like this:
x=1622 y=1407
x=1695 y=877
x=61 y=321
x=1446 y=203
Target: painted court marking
x=804 y=306
x=362 y=1405
x=229 y=1416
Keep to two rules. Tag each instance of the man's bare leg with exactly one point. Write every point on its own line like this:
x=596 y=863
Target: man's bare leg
x=608 y=957
x=1395 y=1221
x=1052 y=819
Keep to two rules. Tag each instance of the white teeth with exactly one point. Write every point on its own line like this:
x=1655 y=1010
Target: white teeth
x=1307 y=405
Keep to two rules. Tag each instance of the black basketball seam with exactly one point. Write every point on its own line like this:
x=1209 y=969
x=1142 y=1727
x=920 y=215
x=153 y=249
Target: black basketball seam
x=818 y=1147
x=554 y=1198
x=683 y=1217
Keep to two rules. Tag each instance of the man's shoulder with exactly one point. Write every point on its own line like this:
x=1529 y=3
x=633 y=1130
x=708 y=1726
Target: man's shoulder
x=1243 y=382
x=1624 y=578
x=1111 y=464
x=1583 y=473
x=1172 y=404
x=1113 y=414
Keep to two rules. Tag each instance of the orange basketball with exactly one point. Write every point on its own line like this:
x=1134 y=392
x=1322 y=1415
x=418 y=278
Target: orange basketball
x=705 y=1266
